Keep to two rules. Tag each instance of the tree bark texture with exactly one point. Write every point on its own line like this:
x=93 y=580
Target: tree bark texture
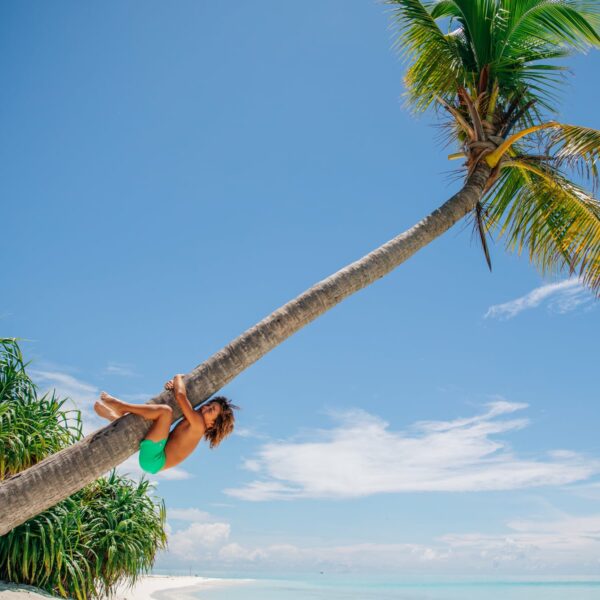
x=34 y=490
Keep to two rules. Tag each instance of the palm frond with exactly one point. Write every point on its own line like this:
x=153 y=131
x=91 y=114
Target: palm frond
x=556 y=22
x=459 y=119
x=516 y=39
x=527 y=71
x=469 y=104
x=537 y=208
x=577 y=148
x=478 y=20
x=436 y=68
x=444 y=8
x=481 y=231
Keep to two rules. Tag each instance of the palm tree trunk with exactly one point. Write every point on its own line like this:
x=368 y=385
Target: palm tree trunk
x=30 y=492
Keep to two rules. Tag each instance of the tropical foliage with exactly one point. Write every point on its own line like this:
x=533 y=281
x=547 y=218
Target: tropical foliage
x=491 y=67
x=31 y=428
x=107 y=533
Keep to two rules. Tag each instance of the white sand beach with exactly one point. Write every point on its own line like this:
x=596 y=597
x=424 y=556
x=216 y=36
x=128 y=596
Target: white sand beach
x=11 y=591
x=157 y=587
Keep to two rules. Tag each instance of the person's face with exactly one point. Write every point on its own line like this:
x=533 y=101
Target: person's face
x=210 y=412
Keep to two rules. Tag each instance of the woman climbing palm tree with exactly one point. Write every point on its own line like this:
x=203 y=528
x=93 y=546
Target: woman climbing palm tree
x=163 y=447
x=490 y=67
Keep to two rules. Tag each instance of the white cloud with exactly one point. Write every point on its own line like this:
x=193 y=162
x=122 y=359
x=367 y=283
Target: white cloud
x=568 y=541
x=197 y=538
x=65 y=383
x=562 y=297
x=337 y=557
x=209 y=544
x=566 y=544
x=82 y=395
x=235 y=552
x=361 y=456
x=215 y=550
x=200 y=540
x=248 y=432
x=124 y=370
x=192 y=515
x=571 y=545
x=588 y=525
x=207 y=541
x=588 y=490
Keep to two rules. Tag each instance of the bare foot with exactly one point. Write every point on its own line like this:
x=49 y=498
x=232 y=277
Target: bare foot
x=105 y=412
x=113 y=404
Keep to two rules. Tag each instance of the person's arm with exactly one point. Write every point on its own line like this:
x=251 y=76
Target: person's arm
x=177 y=386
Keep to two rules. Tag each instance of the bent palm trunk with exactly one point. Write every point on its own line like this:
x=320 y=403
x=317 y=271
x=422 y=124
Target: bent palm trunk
x=30 y=492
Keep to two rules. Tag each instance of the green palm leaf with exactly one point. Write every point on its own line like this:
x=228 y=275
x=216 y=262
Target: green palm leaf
x=555 y=22
x=436 y=67
x=478 y=20
x=537 y=208
x=578 y=148
x=493 y=66
x=514 y=39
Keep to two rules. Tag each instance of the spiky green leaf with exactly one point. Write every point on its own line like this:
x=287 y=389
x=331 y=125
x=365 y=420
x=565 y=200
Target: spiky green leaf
x=578 y=148
x=537 y=208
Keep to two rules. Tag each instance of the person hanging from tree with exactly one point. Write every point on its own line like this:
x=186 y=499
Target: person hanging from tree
x=162 y=448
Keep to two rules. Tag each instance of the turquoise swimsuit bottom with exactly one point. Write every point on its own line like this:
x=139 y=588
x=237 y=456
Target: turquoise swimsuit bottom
x=152 y=455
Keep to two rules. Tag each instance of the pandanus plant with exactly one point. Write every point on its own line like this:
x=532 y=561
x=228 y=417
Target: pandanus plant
x=107 y=533
x=490 y=67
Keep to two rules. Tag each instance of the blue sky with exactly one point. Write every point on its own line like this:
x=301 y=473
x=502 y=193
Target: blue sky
x=173 y=173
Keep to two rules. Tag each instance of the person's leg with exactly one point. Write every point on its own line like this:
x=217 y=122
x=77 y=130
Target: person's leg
x=103 y=411
x=160 y=414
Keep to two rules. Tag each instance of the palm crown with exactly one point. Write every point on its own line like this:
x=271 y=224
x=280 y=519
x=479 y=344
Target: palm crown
x=488 y=64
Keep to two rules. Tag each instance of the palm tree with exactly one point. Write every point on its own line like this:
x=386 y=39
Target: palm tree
x=487 y=66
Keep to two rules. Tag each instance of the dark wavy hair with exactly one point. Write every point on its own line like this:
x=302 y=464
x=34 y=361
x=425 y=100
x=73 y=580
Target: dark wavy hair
x=223 y=424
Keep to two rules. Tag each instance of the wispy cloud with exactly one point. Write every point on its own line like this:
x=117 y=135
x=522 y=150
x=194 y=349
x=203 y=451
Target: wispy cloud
x=366 y=555
x=573 y=540
x=361 y=456
x=567 y=544
x=561 y=297
x=81 y=394
x=65 y=383
x=589 y=490
x=249 y=433
x=191 y=515
x=124 y=370
x=207 y=540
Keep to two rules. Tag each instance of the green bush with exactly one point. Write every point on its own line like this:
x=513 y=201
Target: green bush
x=31 y=428
x=107 y=533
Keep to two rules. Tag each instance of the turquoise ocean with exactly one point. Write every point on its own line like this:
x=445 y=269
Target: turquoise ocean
x=336 y=588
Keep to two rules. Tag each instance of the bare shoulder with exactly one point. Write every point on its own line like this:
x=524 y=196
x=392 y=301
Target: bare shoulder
x=189 y=428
